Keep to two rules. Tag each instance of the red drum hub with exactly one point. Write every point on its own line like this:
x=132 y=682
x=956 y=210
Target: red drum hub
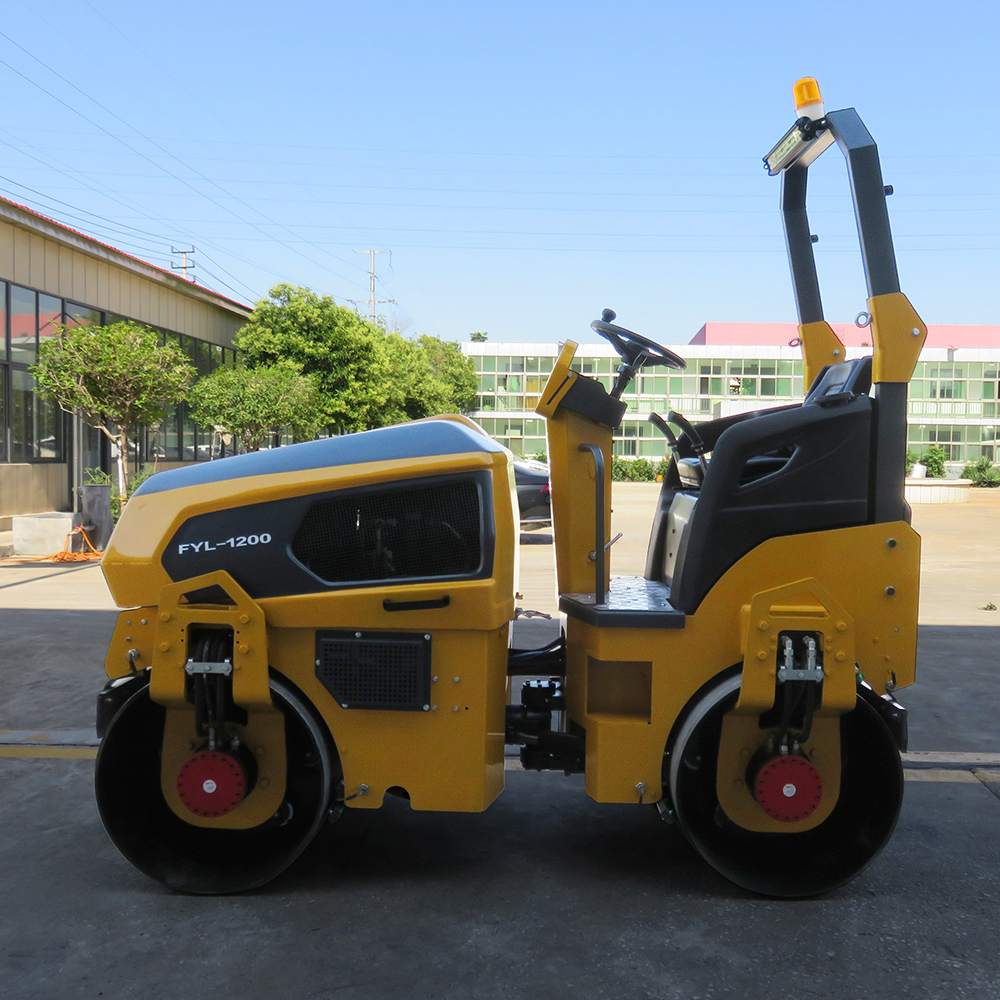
x=788 y=788
x=212 y=783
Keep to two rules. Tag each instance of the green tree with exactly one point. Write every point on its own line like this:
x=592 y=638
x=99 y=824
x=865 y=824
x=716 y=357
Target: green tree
x=454 y=370
x=478 y=337
x=429 y=376
x=934 y=459
x=346 y=355
x=119 y=374
x=254 y=403
x=414 y=391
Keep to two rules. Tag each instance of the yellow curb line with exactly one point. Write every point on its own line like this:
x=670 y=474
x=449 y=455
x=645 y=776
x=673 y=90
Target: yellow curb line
x=78 y=753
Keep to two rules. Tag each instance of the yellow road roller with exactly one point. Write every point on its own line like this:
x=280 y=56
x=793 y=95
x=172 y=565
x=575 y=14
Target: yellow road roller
x=311 y=628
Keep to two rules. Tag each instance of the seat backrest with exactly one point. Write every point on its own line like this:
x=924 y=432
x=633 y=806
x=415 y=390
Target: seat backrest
x=825 y=483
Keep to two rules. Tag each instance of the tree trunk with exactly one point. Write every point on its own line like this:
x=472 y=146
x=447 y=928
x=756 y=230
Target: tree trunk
x=122 y=442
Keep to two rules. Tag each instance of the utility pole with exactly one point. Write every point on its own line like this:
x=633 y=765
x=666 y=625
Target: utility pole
x=183 y=265
x=372 y=301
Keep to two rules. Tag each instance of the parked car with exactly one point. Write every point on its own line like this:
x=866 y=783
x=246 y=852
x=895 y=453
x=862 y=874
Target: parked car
x=533 y=491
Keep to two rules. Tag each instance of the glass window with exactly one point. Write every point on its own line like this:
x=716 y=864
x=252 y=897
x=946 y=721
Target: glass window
x=489 y=364
x=188 y=438
x=36 y=423
x=163 y=440
x=545 y=364
x=48 y=429
x=3 y=331
x=768 y=386
x=784 y=386
x=50 y=317
x=203 y=355
x=23 y=325
x=531 y=364
x=76 y=314
x=22 y=423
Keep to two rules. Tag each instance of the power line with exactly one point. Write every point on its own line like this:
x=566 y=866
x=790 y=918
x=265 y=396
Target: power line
x=498 y=152
x=140 y=209
x=138 y=132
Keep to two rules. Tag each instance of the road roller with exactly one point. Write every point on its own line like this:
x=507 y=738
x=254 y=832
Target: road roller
x=312 y=628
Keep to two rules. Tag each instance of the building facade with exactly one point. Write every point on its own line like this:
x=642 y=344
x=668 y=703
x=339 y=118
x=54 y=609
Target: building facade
x=953 y=394
x=52 y=276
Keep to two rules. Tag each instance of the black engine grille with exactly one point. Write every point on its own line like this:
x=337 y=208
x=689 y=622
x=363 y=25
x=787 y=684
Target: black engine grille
x=382 y=670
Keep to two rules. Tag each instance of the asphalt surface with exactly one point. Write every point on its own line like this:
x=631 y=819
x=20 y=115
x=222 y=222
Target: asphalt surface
x=546 y=894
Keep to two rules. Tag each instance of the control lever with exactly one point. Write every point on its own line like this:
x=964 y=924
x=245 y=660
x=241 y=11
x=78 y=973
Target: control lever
x=697 y=445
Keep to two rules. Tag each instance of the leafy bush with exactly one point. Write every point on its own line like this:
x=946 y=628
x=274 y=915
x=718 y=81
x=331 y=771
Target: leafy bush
x=642 y=471
x=911 y=460
x=632 y=470
x=934 y=458
x=620 y=470
x=983 y=473
x=662 y=467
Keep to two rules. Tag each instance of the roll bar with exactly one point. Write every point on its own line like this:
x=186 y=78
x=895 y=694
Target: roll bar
x=898 y=333
x=869 y=193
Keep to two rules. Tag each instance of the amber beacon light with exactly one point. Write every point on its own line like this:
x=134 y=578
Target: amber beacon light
x=808 y=99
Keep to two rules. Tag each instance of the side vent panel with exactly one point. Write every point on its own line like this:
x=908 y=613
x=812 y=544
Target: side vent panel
x=376 y=670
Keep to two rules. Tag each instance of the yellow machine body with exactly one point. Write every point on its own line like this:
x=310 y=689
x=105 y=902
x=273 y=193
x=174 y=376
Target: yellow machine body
x=312 y=628
x=448 y=757
x=858 y=586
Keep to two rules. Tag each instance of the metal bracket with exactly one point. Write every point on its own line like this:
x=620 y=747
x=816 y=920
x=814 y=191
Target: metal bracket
x=193 y=667
x=812 y=671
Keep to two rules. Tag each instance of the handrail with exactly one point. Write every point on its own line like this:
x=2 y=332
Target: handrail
x=600 y=594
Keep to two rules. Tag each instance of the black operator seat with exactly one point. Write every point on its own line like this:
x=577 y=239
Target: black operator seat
x=782 y=471
x=829 y=386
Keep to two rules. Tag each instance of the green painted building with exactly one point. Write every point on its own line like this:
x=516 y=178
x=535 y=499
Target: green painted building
x=953 y=395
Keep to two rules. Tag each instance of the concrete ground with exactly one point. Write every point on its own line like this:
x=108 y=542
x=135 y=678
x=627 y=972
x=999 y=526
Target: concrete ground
x=546 y=894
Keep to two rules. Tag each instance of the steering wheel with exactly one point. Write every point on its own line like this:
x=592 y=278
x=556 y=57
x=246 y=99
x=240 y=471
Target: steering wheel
x=632 y=346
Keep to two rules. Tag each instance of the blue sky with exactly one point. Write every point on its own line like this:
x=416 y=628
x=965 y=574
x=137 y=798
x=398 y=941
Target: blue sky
x=527 y=164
